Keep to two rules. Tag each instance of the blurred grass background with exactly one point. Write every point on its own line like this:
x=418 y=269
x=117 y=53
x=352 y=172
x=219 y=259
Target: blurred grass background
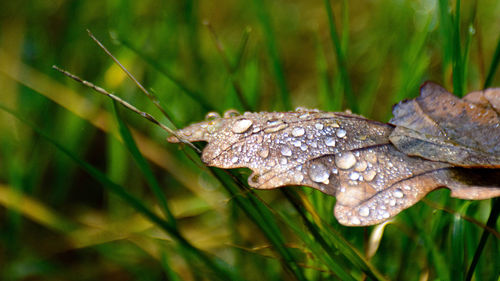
x=126 y=205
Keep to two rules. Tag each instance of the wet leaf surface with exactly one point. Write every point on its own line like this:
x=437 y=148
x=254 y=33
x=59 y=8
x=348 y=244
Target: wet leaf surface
x=439 y=126
x=344 y=155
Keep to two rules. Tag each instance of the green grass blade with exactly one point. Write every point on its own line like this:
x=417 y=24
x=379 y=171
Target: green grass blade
x=220 y=269
x=317 y=249
x=446 y=30
x=169 y=272
x=458 y=258
x=272 y=49
x=194 y=95
x=457 y=61
x=492 y=220
x=341 y=59
x=494 y=66
x=332 y=243
x=436 y=258
x=325 y=95
x=143 y=165
x=262 y=217
x=230 y=69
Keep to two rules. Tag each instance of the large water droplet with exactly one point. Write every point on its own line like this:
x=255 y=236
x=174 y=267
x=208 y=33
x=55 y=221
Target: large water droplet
x=286 y=151
x=354 y=176
x=364 y=211
x=234 y=160
x=398 y=193
x=231 y=113
x=212 y=115
x=264 y=153
x=318 y=126
x=241 y=126
x=360 y=166
x=345 y=160
x=298 y=131
x=297 y=143
x=355 y=220
x=275 y=126
x=371 y=157
x=298 y=177
x=319 y=173
x=329 y=141
x=385 y=215
x=369 y=175
x=341 y=133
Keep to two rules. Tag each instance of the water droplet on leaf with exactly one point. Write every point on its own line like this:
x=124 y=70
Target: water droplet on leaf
x=241 y=126
x=345 y=160
x=319 y=172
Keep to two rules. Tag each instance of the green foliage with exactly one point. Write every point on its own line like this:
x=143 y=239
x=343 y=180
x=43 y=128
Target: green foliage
x=96 y=194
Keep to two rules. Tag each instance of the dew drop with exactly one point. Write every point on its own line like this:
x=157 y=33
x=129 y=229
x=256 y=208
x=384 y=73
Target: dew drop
x=341 y=133
x=264 y=153
x=298 y=131
x=345 y=160
x=234 y=160
x=276 y=126
x=212 y=115
x=255 y=178
x=369 y=175
x=303 y=147
x=283 y=161
x=318 y=126
x=354 y=176
x=274 y=122
x=360 y=166
x=371 y=158
x=385 y=215
x=329 y=141
x=355 y=220
x=298 y=177
x=231 y=113
x=319 y=173
x=364 y=211
x=297 y=143
x=241 y=126
x=392 y=202
x=286 y=151
x=398 y=193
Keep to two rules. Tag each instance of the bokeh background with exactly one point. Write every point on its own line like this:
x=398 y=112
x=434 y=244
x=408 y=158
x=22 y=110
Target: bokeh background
x=69 y=218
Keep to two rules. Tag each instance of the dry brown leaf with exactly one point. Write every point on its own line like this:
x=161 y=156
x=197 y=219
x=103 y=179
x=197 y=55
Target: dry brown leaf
x=340 y=154
x=439 y=126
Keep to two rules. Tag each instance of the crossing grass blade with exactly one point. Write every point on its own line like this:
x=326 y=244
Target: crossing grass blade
x=272 y=48
x=495 y=60
x=262 y=216
x=331 y=243
x=143 y=166
x=341 y=59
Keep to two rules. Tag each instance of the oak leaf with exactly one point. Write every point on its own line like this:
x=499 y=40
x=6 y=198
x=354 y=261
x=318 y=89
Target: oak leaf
x=340 y=154
x=441 y=127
